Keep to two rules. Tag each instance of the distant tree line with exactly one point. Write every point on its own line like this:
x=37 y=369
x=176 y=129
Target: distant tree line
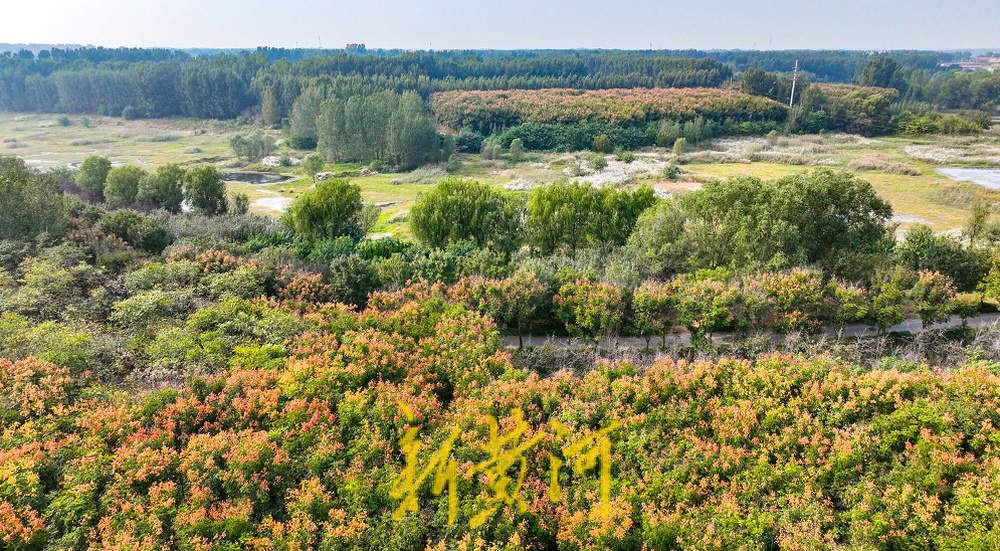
x=270 y=83
x=916 y=87
x=224 y=86
x=888 y=98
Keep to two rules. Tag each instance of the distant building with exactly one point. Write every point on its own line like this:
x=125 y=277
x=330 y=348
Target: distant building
x=355 y=47
x=978 y=63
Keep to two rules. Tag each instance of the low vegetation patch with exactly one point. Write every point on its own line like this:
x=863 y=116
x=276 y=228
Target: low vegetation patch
x=879 y=162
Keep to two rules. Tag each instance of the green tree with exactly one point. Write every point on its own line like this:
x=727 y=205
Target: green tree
x=680 y=146
x=305 y=115
x=163 y=187
x=92 y=174
x=886 y=307
x=253 y=147
x=654 y=309
x=881 y=71
x=469 y=141
x=572 y=214
x=591 y=309
x=457 y=210
x=922 y=249
x=412 y=139
x=240 y=203
x=490 y=148
x=758 y=82
x=823 y=217
x=932 y=297
x=330 y=210
x=516 y=150
x=380 y=126
x=270 y=111
x=205 y=190
x=705 y=306
x=31 y=203
x=658 y=244
x=122 y=185
x=976 y=224
x=313 y=164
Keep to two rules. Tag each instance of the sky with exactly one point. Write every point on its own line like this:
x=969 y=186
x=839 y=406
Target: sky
x=508 y=24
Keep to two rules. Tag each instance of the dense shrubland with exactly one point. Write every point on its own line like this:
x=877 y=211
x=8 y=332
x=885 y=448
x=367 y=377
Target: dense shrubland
x=218 y=380
x=486 y=110
x=292 y=446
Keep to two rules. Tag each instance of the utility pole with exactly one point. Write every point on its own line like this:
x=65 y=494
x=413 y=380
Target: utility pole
x=795 y=76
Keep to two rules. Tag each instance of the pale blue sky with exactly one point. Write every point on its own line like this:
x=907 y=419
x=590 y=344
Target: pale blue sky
x=508 y=24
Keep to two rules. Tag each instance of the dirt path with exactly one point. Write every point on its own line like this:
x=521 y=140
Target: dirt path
x=852 y=330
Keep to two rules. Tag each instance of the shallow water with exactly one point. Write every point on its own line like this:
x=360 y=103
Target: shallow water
x=907 y=218
x=986 y=177
x=255 y=177
x=277 y=203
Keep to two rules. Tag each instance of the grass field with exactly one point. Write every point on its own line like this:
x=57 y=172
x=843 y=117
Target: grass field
x=45 y=144
x=901 y=169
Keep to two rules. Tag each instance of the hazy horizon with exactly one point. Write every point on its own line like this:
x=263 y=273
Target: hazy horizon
x=516 y=24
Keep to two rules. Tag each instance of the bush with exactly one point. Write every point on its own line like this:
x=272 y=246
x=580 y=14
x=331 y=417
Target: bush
x=122 y=185
x=92 y=174
x=591 y=309
x=32 y=204
x=130 y=112
x=170 y=276
x=330 y=210
x=248 y=281
x=49 y=288
x=211 y=335
x=205 y=190
x=240 y=203
x=385 y=247
x=625 y=156
x=302 y=142
x=326 y=250
x=602 y=144
x=147 y=310
x=516 y=150
x=457 y=210
x=469 y=141
x=350 y=280
x=163 y=188
x=932 y=296
x=142 y=232
x=922 y=249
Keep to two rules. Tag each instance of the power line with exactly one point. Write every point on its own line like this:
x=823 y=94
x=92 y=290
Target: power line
x=795 y=76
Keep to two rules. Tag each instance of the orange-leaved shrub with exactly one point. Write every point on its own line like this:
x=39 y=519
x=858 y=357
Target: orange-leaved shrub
x=300 y=449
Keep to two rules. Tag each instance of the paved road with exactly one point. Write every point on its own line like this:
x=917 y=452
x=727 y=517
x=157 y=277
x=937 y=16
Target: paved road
x=852 y=330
